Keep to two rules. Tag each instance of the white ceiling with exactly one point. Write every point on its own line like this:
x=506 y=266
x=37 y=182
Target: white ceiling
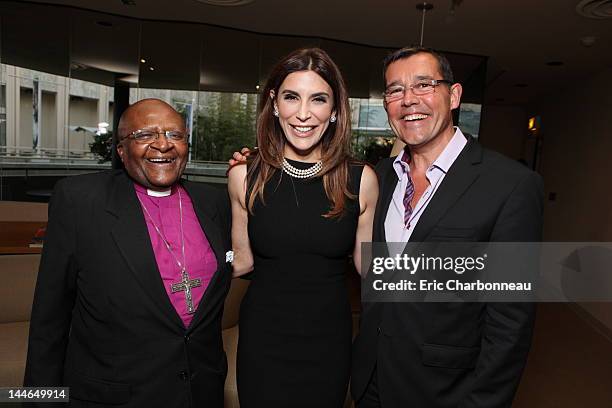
x=519 y=37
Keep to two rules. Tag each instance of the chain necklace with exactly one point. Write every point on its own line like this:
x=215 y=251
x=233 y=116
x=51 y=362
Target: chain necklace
x=302 y=173
x=186 y=283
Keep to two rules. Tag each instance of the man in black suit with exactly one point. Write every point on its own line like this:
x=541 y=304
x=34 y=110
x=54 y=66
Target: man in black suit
x=443 y=187
x=133 y=277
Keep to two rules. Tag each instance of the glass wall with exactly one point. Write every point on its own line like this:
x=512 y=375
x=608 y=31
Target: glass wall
x=225 y=123
x=372 y=136
x=63 y=82
x=469 y=118
x=52 y=116
x=2 y=108
x=219 y=123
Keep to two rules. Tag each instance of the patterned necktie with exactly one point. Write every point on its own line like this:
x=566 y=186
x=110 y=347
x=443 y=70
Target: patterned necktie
x=409 y=194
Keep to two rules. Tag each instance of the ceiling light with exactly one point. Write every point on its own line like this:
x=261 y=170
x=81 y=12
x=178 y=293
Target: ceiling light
x=102 y=128
x=142 y=60
x=256 y=86
x=151 y=69
x=588 y=41
x=595 y=8
x=226 y=3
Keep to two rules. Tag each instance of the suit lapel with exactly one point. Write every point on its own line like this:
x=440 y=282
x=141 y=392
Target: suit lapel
x=460 y=177
x=132 y=238
x=206 y=213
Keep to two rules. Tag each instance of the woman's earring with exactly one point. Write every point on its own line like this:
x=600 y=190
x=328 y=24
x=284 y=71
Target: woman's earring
x=332 y=119
x=275 y=113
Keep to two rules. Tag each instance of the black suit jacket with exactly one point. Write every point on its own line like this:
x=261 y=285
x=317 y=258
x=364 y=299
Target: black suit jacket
x=102 y=322
x=454 y=354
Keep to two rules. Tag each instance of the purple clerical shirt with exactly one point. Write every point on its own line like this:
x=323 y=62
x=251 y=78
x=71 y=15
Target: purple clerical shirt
x=200 y=259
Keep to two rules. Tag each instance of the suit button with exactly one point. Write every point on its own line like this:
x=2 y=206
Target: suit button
x=183 y=375
x=187 y=338
x=379 y=330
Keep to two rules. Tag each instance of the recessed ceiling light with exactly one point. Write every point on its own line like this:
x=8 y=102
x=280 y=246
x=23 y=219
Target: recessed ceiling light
x=151 y=69
x=143 y=60
x=554 y=63
x=226 y=3
x=588 y=40
x=256 y=86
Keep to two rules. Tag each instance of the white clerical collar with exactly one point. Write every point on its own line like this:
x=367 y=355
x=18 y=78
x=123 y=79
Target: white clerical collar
x=154 y=193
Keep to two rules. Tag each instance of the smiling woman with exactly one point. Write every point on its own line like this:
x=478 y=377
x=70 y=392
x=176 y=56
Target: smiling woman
x=298 y=213
x=304 y=110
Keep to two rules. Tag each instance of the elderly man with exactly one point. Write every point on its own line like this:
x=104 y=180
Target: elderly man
x=133 y=277
x=443 y=187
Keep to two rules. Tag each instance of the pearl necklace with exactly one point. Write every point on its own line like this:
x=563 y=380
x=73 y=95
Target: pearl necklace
x=299 y=173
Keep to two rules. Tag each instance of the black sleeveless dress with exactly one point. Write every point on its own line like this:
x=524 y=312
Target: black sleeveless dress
x=294 y=347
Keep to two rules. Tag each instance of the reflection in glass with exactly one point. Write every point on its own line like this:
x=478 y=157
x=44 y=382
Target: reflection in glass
x=469 y=118
x=219 y=123
x=226 y=123
x=59 y=85
x=33 y=122
x=372 y=136
x=40 y=120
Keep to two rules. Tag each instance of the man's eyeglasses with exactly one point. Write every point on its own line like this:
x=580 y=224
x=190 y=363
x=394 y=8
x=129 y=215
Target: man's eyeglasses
x=423 y=87
x=149 y=136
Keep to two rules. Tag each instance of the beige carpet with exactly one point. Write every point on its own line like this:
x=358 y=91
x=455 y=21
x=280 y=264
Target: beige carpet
x=570 y=364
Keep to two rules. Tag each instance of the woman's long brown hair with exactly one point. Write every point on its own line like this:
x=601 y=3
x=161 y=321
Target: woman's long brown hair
x=335 y=142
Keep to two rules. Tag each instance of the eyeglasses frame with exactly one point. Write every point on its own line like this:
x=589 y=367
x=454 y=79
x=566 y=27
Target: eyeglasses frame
x=434 y=83
x=133 y=134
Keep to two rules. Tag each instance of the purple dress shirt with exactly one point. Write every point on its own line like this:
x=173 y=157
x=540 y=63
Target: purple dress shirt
x=200 y=259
